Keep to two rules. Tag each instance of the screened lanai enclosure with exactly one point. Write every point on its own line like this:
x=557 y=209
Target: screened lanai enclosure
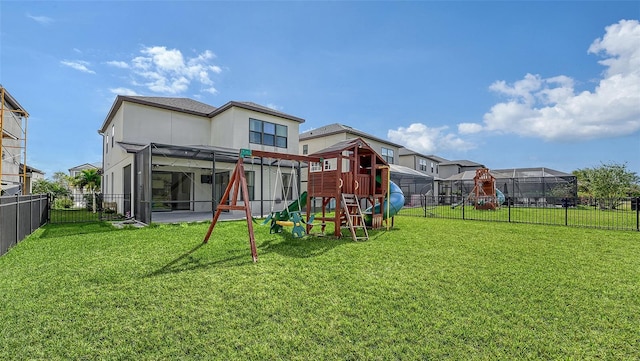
x=532 y=187
x=177 y=178
x=414 y=184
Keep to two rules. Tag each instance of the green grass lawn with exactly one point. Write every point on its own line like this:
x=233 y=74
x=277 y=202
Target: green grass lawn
x=428 y=289
x=622 y=218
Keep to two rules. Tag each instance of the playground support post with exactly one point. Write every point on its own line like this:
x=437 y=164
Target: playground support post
x=239 y=184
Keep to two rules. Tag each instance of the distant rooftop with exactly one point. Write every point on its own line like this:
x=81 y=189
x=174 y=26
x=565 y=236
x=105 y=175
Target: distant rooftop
x=337 y=128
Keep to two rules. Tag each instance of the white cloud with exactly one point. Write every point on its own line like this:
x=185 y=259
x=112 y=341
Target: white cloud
x=423 y=139
x=469 y=128
x=167 y=71
x=274 y=107
x=44 y=20
x=118 y=64
x=123 y=91
x=550 y=108
x=78 y=65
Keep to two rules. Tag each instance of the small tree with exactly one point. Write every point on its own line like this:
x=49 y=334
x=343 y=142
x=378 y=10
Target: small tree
x=609 y=183
x=54 y=187
x=90 y=180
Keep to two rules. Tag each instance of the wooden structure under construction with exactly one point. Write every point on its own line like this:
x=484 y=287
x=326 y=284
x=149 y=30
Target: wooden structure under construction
x=13 y=144
x=353 y=176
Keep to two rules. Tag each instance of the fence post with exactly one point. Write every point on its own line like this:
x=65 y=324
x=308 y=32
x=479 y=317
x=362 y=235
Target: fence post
x=509 y=207
x=638 y=214
x=463 y=201
x=31 y=229
x=424 y=201
x=17 y=220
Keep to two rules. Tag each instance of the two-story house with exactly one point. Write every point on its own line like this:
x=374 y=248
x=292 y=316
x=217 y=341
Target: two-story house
x=426 y=164
x=169 y=154
x=13 y=128
x=77 y=194
x=320 y=138
x=33 y=175
x=411 y=182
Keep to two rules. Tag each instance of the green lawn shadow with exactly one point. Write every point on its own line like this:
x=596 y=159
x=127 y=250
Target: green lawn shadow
x=72 y=229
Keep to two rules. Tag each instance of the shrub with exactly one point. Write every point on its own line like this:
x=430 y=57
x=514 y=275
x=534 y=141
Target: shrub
x=60 y=203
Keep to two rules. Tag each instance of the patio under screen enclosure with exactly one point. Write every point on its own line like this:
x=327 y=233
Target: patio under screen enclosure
x=168 y=178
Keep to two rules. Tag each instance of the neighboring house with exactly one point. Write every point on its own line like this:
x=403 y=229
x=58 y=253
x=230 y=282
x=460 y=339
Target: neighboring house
x=168 y=154
x=77 y=194
x=427 y=164
x=404 y=175
x=452 y=167
x=33 y=175
x=13 y=128
x=320 y=138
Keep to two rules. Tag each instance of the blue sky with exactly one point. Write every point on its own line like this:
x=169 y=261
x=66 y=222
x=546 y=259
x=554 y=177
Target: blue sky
x=505 y=84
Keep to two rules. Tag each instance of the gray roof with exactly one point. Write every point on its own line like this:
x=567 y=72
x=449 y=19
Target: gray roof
x=399 y=169
x=31 y=169
x=407 y=151
x=256 y=108
x=336 y=128
x=190 y=106
x=97 y=165
x=184 y=105
x=463 y=176
x=462 y=163
x=178 y=104
x=342 y=145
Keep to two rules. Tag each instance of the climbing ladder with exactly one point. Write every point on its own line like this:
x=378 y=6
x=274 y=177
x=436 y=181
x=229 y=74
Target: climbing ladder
x=354 y=217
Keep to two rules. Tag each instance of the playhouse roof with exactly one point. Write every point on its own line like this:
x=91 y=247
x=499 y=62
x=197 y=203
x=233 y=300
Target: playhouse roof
x=349 y=144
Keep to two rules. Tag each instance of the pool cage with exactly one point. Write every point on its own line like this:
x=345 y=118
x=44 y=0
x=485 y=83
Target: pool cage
x=528 y=187
x=414 y=184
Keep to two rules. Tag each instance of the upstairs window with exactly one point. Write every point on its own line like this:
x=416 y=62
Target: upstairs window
x=422 y=164
x=266 y=133
x=305 y=149
x=387 y=155
x=113 y=135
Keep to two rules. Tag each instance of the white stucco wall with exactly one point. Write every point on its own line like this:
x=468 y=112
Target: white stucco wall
x=231 y=129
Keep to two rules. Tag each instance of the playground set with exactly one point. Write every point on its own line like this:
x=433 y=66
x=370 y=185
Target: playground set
x=349 y=176
x=485 y=195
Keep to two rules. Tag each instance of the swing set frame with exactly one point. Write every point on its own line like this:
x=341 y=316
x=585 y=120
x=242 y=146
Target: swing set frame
x=238 y=184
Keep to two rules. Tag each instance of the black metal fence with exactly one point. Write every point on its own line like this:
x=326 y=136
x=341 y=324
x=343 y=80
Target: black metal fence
x=19 y=217
x=89 y=208
x=618 y=213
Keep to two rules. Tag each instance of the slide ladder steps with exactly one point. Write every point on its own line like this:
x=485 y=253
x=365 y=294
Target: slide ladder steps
x=354 y=217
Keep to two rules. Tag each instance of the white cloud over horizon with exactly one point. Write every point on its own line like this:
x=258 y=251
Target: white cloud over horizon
x=423 y=139
x=78 y=65
x=168 y=72
x=123 y=91
x=549 y=108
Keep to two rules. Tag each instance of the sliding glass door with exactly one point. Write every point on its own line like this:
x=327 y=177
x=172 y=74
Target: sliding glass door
x=171 y=191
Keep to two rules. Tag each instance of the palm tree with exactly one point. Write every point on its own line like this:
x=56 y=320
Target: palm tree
x=89 y=179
